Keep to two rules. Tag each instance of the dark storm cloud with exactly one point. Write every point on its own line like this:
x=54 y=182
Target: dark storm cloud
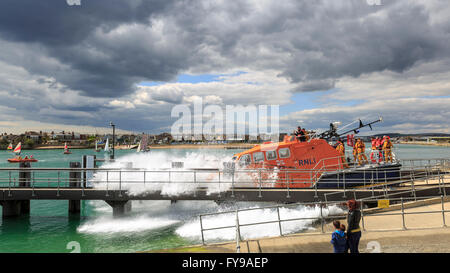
x=395 y=41
x=55 y=23
x=81 y=56
x=312 y=43
x=66 y=33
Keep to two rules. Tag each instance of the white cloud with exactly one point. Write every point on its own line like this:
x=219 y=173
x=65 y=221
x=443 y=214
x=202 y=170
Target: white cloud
x=121 y=104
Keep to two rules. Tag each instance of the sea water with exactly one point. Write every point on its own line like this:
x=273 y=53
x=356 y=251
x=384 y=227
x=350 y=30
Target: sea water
x=151 y=224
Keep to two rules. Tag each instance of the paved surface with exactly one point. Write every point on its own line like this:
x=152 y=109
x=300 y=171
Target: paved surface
x=431 y=237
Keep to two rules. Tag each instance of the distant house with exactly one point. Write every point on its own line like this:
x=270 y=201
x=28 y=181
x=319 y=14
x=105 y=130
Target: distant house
x=35 y=136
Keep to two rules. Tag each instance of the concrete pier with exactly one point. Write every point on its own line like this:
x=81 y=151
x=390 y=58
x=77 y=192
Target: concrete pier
x=74 y=182
x=120 y=207
x=13 y=208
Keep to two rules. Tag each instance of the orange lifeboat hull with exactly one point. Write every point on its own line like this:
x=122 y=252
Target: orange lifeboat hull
x=16 y=160
x=300 y=168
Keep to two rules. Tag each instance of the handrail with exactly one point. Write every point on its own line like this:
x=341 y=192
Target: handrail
x=321 y=217
x=220 y=180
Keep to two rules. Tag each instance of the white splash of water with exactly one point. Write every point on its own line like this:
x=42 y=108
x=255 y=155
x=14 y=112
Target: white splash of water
x=160 y=176
x=191 y=229
x=147 y=216
x=183 y=216
x=135 y=224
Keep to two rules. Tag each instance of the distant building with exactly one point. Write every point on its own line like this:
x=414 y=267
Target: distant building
x=35 y=136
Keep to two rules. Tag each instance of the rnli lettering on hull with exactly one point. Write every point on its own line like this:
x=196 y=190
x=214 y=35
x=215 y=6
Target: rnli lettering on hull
x=308 y=161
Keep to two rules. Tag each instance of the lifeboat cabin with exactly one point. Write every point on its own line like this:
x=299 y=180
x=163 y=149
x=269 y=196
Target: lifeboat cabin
x=309 y=164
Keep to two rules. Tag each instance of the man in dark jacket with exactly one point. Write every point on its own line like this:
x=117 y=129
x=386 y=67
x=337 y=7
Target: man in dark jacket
x=300 y=134
x=354 y=231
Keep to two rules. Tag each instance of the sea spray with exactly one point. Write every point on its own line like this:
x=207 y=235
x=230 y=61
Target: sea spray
x=191 y=229
x=156 y=174
x=145 y=216
x=182 y=217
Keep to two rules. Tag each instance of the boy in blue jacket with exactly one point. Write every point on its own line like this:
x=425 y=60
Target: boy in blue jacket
x=338 y=238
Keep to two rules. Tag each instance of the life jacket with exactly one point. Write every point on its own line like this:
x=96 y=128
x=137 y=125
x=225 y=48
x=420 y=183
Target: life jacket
x=360 y=147
x=306 y=134
x=340 y=147
x=379 y=143
x=387 y=144
x=374 y=144
x=350 y=140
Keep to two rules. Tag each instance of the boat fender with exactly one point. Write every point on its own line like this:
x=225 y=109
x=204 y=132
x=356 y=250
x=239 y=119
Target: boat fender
x=350 y=140
x=372 y=157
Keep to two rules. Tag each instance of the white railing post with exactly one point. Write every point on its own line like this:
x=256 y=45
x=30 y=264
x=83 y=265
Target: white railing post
x=260 y=181
x=232 y=185
x=403 y=214
x=443 y=212
x=219 y=184
x=201 y=227
x=362 y=216
x=321 y=217
x=279 y=221
x=238 y=234
x=120 y=183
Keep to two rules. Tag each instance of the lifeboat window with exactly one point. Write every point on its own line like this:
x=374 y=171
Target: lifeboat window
x=271 y=155
x=244 y=160
x=258 y=157
x=284 y=153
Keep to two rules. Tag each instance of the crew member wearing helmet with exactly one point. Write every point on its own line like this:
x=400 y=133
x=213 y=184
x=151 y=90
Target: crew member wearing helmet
x=387 y=149
x=360 y=150
x=305 y=133
x=355 y=152
x=380 y=149
x=300 y=134
x=341 y=149
x=374 y=143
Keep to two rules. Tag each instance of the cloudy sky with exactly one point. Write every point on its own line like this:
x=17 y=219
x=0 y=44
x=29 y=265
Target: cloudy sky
x=79 y=66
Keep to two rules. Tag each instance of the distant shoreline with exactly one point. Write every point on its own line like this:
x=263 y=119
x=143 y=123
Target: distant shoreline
x=201 y=146
x=157 y=146
x=205 y=146
x=425 y=143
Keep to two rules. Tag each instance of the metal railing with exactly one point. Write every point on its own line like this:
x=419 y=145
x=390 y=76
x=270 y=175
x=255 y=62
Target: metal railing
x=323 y=220
x=409 y=176
x=239 y=225
x=222 y=180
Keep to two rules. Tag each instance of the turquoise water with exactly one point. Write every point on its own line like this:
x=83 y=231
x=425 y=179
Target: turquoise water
x=150 y=225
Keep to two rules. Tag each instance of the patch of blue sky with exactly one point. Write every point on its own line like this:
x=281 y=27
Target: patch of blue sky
x=144 y=83
x=303 y=101
x=351 y=103
x=186 y=78
x=200 y=78
x=435 y=97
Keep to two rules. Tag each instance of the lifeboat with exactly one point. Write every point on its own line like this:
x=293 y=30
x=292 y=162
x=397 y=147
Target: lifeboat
x=313 y=163
x=20 y=159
